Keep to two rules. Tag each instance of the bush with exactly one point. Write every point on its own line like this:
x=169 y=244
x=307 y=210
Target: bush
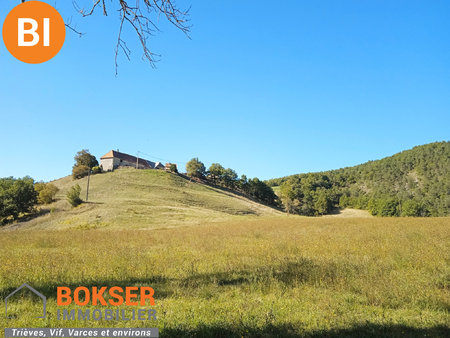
x=80 y=171
x=96 y=170
x=173 y=168
x=73 y=196
x=46 y=192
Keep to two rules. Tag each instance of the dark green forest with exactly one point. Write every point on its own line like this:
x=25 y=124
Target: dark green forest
x=415 y=182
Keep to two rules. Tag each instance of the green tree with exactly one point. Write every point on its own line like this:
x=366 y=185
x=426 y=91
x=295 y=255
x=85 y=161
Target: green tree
x=46 y=192
x=243 y=183
x=84 y=162
x=195 y=168
x=17 y=196
x=344 y=201
x=388 y=207
x=84 y=157
x=262 y=192
x=229 y=178
x=383 y=207
x=322 y=203
x=73 y=195
x=216 y=172
x=412 y=208
x=289 y=195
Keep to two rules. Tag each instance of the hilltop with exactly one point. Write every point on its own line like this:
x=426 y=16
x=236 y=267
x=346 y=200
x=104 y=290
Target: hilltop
x=415 y=182
x=143 y=199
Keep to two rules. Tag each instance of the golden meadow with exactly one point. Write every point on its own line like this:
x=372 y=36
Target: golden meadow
x=268 y=276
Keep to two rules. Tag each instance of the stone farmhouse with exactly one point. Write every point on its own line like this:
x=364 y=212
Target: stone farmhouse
x=115 y=159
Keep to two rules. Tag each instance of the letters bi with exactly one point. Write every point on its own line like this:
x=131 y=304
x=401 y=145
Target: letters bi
x=27 y=31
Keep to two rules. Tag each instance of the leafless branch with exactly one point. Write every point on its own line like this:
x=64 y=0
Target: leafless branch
x=72 y=28
x=141 y=17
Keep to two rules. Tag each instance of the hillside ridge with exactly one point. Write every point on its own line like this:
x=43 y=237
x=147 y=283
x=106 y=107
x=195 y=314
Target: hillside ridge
x=414 y=182
x=142 y=199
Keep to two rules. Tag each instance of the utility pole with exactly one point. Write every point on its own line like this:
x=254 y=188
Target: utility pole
x=87 y=189
x=137 y=160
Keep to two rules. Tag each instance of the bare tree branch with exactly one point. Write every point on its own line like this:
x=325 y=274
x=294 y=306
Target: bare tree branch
x=141 y=16
x=73 y=29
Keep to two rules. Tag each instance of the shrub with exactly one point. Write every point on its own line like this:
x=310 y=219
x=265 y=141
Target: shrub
x=96 y=170
x=80 y=171
x=46 y=192
x=173 y=168
x=73 y=196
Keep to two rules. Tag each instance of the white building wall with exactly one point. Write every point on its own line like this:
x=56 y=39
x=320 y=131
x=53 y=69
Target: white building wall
x=107 y=164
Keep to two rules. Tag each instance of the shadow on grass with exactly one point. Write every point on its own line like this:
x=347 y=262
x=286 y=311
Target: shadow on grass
x=25 y=217
x=290 y=331
x=290 y=273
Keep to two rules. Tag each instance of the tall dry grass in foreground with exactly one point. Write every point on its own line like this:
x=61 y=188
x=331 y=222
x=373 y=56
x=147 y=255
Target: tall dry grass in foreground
x=266 y=277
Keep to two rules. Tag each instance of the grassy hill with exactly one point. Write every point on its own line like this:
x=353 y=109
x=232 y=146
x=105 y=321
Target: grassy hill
x=415 y=182
x=143 y=199
x=247 y=271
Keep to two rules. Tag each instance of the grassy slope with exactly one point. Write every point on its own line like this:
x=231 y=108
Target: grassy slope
x=143 y=199
x=262 y=277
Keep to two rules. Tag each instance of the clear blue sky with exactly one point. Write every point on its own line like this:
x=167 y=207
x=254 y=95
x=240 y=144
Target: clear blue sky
x=264 y=88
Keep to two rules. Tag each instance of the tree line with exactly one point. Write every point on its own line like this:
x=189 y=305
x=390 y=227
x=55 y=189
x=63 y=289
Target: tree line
x=228 y=178
x=415 y=182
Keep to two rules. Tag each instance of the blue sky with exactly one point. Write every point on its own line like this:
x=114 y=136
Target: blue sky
x=266 y=89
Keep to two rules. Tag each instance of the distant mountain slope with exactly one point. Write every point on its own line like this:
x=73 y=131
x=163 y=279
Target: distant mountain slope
x=143 y=199
x=415 y=182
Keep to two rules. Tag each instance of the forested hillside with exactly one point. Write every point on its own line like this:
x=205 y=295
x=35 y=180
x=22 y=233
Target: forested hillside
x=415 y=182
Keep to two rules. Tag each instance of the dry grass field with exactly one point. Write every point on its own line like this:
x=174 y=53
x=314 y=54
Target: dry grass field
x=265 y=276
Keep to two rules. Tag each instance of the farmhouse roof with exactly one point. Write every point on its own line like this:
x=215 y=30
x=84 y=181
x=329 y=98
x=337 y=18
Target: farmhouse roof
x=128 y=158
